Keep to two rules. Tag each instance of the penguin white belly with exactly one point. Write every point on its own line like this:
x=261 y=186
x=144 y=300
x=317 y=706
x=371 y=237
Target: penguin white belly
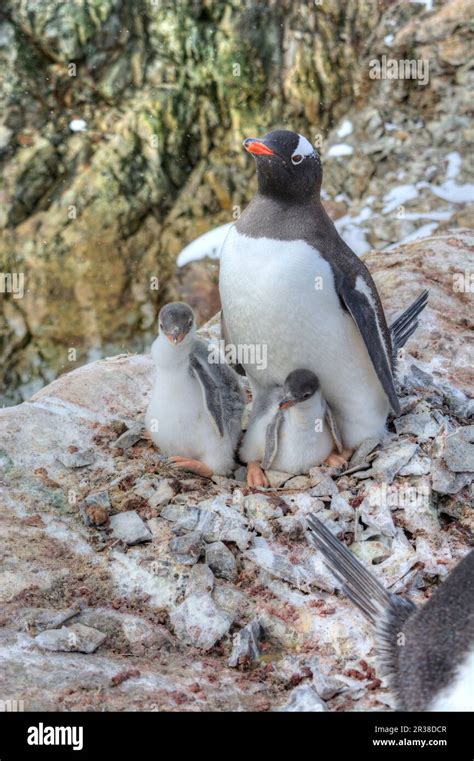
x=281 y=295
x=300 y=446
x=176 y=416
x=459 y=696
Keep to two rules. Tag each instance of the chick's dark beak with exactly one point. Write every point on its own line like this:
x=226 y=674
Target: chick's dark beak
x=257 y=147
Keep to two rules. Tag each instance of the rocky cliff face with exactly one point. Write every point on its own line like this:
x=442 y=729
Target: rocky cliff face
x=121 y=142
x=128 y=585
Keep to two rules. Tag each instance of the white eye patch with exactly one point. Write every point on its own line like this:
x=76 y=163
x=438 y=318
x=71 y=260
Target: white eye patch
x=302 y=150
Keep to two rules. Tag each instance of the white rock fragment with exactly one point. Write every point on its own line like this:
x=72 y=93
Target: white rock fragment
x=78 y=459
x=421 y=424
x=322 y=484
x=130 y=528
x=245 y=645
x=73 y=639
x=459 y=451
x=390 y=461
x=304 y=698
x=326 y=686
x=277 y=478
x=199 y=622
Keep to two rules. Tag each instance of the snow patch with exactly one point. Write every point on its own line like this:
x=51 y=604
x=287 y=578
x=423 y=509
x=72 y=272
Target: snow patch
x=209 y=244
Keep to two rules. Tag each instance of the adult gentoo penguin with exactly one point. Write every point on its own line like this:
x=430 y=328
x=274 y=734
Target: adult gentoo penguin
x=428 y=651
x=288 y=281
x=291 y=429
x=196 y=407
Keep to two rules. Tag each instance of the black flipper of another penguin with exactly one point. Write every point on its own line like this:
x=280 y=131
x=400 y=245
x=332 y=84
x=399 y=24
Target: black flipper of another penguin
x=406 y=324
x=211 y=394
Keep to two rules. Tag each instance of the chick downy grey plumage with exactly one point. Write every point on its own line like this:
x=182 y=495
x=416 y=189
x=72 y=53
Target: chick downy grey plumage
x=291 y=429
x=289 y=282
x=196 y=407
x=428 y=651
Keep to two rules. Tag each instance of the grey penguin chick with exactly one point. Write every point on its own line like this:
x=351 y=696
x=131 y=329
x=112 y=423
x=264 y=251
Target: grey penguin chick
x=290 y=283
x=428 y=651
x=291 y=429
x=195 y=412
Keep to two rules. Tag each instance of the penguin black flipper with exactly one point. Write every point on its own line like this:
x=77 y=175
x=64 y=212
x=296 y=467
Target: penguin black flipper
x=359 y=304
x=271 y=440
x=221 y=391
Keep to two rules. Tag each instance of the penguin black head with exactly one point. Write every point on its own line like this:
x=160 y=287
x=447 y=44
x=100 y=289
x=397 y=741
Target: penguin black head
x=299 y=386
x=176 y=320
x=287 y=164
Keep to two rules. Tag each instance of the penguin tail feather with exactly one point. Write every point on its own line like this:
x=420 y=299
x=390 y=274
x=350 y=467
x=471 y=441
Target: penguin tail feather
x=386 y=611
x=406 y=324
x=358 y=584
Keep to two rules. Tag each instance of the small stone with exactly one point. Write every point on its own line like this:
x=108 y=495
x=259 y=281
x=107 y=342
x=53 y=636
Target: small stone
x=185 y=516
x=258 y=506
x=231 y=599
x=46 y=618
x=73 y=639
x=323 y=485
x=129 y=437
x=304 y=698
x=444 y=481
x=80 y=459
x=245 y=645
x=277 y=478
x=370 y=551
x=341 y=507
x=390 y=461
x=363 y=450
x=421 y=424
x=459 y=451
x=187 y=549
x=326 y=686
x=199 y=622
x=200 y=581
x=99 y=499
x=418 y=466
x=142 y=636
x=279 y=566
x=221 y=561
x=129 y=528
x=298 y=482
x=156 y=494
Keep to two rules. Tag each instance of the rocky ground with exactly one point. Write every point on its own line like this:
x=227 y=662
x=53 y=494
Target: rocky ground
x=127 y=585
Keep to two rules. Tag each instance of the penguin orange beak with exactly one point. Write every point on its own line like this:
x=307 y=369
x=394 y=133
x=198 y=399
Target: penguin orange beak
x=285 y=403
x=257 y=147
x=175 y=339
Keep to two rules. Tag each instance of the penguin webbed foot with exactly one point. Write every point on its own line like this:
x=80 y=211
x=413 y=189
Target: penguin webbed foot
x=195 y=466
x=336 y=459
x=256 y=476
